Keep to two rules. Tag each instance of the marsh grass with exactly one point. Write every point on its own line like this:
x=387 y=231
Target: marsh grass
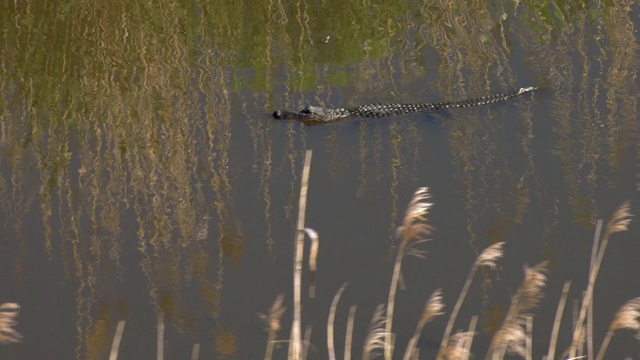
x=514 y=337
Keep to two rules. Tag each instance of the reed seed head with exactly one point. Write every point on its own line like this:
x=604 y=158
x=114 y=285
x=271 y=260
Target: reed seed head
x=620 y=219
x=273 y=319
x=490 y=255
x=511 y=335
x=8 y=314
x=413 y=226
x=376 y=334
x=628 y=317
x=432 y=308
x=456 y=348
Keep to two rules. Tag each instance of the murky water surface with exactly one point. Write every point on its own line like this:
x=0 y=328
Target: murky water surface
x=142 y=177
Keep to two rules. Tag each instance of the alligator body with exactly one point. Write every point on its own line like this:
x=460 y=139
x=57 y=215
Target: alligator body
x=318 y=115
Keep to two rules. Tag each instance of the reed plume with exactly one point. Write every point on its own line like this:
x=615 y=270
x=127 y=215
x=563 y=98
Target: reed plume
x=376 y=334
x=273 y=324
x=458 y=346
x=8 y=314
x=628 y=317
x=412 y=232
x=511 y=337
x=487 y=258
x=619 y=222
x=432 y=308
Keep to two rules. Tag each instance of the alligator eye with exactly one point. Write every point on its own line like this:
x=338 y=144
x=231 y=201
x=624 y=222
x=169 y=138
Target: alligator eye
x=277 y=114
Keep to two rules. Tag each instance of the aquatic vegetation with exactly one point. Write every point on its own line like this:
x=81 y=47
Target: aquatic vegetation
x=514 y=337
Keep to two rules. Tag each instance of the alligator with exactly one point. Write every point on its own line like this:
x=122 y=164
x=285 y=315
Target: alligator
x=312 y=115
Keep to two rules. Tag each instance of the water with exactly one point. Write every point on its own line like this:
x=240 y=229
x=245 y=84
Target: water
x=141 y=173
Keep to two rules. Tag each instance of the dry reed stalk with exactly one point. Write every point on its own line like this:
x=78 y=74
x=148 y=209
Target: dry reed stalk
x=594 y=252
x=469 y=337
x=330 y=321
x=117 y=338
x=619 y=222
x=306 y=342
x=628 y=317
x=8 y=314
x=313 y=260
x=588 y=335
x=487 y=258
x=511 y=336
x=195 y=352
x=348 y=337
x=558 y=320
x=529 y=338
x=295 y=346
x=411 y=232
x=574 y=322
x=376 y=334
x=432 y=308
x=160 y=346
x=273 y=324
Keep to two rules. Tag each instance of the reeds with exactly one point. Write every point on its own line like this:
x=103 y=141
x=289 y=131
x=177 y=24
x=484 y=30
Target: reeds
x=557 y=321
x=628 y=317
x=375 y=335
x=459 y=345
x=412 y=232
x=117 y=338
x=432 y=308
x=487 y=258
x=330 y=321
x=619 y=222
x=160 y=330
x=8 y=314
x=295 y=346
x=513 y=337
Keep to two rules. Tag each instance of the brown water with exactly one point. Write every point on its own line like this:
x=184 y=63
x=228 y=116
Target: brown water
x=141 y=176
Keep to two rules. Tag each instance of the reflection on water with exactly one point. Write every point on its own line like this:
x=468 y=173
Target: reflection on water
x=141 y=177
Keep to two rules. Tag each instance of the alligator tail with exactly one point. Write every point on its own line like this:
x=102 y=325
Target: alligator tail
x=485 y=100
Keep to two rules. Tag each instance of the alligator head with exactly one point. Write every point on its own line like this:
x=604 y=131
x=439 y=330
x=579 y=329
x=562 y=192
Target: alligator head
x=308 y=114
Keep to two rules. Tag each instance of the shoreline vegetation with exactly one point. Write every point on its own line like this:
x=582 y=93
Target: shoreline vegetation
x=514 y=337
